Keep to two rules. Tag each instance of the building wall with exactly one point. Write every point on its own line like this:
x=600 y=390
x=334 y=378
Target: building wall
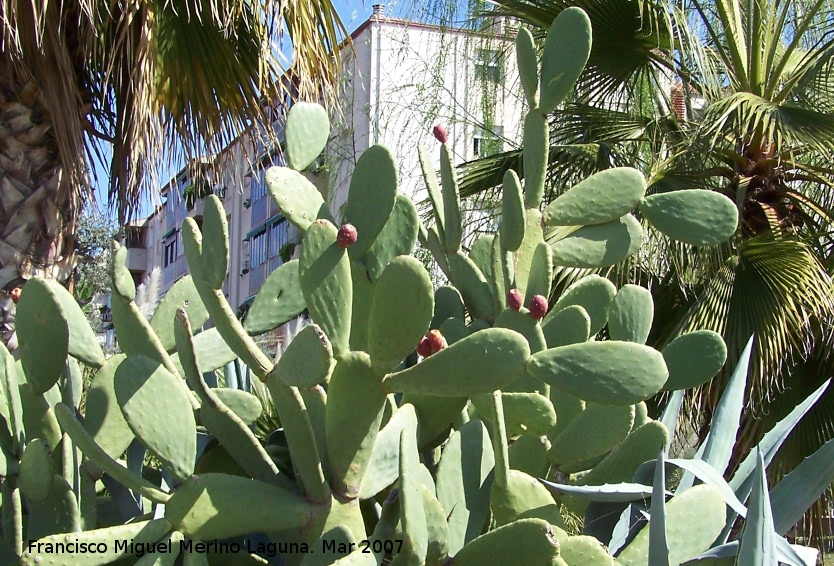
x=409 y=77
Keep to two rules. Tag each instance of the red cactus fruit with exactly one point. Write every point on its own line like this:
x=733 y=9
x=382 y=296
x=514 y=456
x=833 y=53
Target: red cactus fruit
x=424 y=347
x=514 y=299
x=436 y=341
x=538 y=307
x=347 y=236
x=440 y=133
x=15 y=294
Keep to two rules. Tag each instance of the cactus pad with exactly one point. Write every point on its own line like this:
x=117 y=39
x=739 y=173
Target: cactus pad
x=693 y=216
x=694 y=358
x=157 y=410
x=614 y=373
x=307 y=131
x=600 y=245
x=279 y=300
x=601 y=198
x=373 y=190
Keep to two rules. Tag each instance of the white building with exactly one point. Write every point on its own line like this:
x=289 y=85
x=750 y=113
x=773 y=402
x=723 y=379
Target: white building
x=402 y=78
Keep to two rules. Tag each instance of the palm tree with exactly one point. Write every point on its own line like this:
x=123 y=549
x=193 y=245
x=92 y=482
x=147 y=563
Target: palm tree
x=154 y=79
x=730 y=96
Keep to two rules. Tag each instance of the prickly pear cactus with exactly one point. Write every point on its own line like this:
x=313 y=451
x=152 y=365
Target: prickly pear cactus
x=415 y=423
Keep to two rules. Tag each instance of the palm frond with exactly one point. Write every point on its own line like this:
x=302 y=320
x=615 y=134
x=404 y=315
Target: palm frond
x=774 y=288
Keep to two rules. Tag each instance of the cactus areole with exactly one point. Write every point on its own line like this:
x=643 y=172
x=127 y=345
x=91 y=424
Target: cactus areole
x=347 y=236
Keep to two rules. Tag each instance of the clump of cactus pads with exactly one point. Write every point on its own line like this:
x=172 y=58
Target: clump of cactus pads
x=380 y=455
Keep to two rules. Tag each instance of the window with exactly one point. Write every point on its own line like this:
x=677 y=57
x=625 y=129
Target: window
x=279 y=236
x=486 y=143
x=489 y=65
x=258 y=185
x=169 y=250
x=257 y=250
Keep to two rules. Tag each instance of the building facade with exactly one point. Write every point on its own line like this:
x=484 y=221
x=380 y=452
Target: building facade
x=400 y=79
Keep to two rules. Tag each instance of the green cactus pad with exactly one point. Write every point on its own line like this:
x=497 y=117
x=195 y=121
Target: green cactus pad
x=158 y=411
x=215 y=257
x=570 y=325
x=532 y=539
x=528 y=66
x=453 y=224
x=473 y=286
x=641 y=415
x=398 y=237
x=182 y=294
x=214 y=352
x=435 y=415
x=434 y=243
x=363 y=298
x=58 y=513
x=566 y=51
x=297 y=198
x=134 y=332
x=308 y=360
x=437 y=529
x=246 y=406
x=481 y=253
x=528 y=454
x=35 y=474
x=355 y=402
x=325 y=277
x=541 y=273
x=93 y=451
x=612 y=373
x=307 y=131
x=401 y=312
x=601 y=198
x=279 y=300
x=536 y=146
x=584 y=550
x=522 y=493
x=694 y=519
x=630 y=315
x=454 y=329
x=103 y=419
x=383 y=465
x=638 y=447
x=693 y=359
x=501 y=273
x=594 y=294
x=38 y=417
x=523 y=257
x=480 y=363
x=512 y=212
x=693 y=216
x=596 y=430
x=120 y=276
x=447 y=304
x=141 y=532
x=601 y=245
x=464 y=481
x=215 y=506
x=412 y=510
x=530 y=414
x=82 y=341
x=373 y=190
x=524 y=324
x=435 y=194
x=43 y=334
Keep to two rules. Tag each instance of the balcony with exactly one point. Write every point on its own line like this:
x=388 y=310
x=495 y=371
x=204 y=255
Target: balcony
x=137 y=259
